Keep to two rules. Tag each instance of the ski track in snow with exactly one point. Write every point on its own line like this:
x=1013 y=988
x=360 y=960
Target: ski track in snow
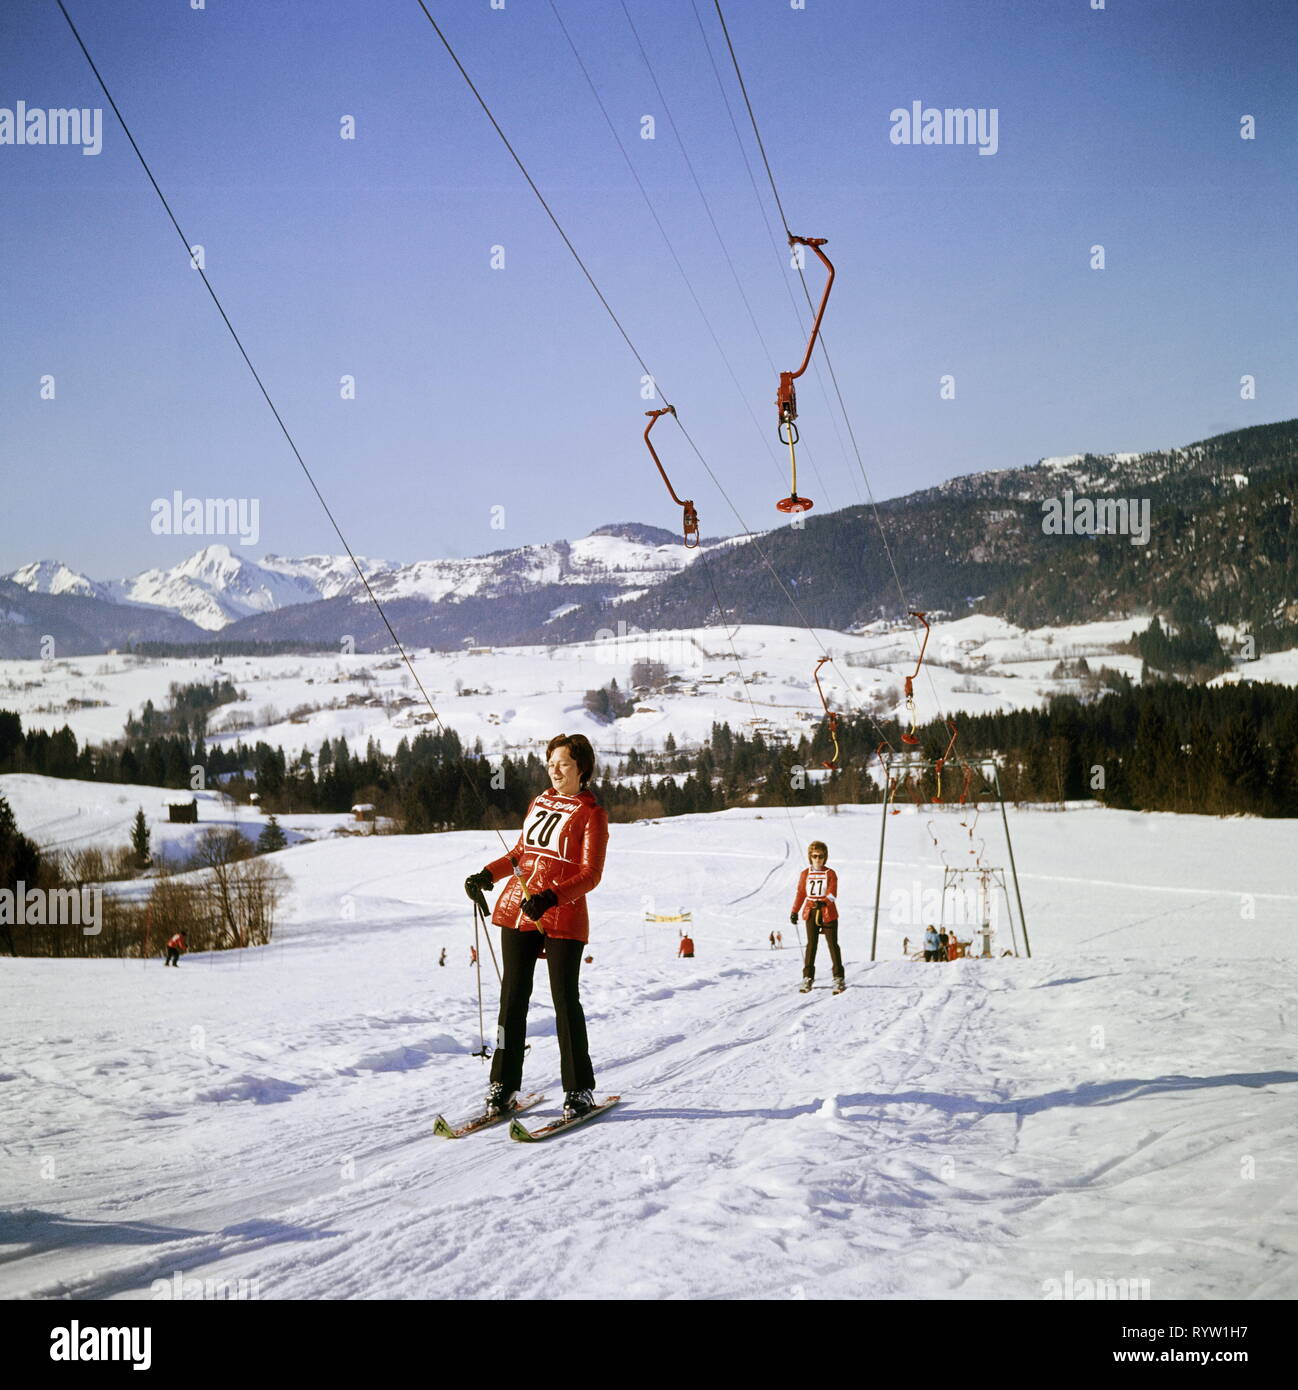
x=1121 y=1106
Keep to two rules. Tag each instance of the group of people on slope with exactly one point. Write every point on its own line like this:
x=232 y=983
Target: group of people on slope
x=941 y=945
x=473 y=956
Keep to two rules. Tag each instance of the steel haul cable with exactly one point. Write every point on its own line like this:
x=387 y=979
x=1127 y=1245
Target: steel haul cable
x=752 y=116
x=617 y=322
x=653 y=212
x=373 y=598
x=662 y=230
x=766 y=222
x=833 y=375
x=707 y=206
x=761 y=207
x=279 y=419
x=288 y=435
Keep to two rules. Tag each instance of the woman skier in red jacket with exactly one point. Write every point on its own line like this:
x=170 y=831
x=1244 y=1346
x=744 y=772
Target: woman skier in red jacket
x=817 y=889
x=558 y=859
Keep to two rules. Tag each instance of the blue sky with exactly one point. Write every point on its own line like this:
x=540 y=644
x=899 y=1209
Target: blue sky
x=479 y=388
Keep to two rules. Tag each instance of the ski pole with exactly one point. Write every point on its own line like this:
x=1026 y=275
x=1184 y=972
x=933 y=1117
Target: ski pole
x=484 y=1052
x=491 y=947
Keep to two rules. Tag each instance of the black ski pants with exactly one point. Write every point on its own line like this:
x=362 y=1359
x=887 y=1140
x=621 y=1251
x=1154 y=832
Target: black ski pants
x=520 y=951
x=814 y=933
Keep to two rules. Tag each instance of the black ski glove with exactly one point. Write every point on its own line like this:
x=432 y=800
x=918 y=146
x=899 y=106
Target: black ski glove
x=476 y=885
x=793 y=918
x=535 y=907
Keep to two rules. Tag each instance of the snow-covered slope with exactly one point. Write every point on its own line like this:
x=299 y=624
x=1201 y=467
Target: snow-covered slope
x=64 y=814
x=1118 y=1108
x=614 y=560
x=326 y=576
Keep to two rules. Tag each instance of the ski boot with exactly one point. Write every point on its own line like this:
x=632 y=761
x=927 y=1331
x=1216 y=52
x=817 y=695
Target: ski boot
x=805 y=986
x=840 y=984
x=499 y=1100
x=577 y=1103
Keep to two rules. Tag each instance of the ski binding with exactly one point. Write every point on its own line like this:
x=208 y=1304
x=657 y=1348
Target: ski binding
x=457 y=1129
x=526 y=1136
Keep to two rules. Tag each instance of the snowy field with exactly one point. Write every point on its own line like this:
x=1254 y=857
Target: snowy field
x=1121 y=1106
x=512 y=698
x=62 y=813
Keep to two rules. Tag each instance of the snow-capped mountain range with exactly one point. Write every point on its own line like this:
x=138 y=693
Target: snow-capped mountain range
x=54 y=577
x=977 y=538
x=215 y=586
x=212 y=588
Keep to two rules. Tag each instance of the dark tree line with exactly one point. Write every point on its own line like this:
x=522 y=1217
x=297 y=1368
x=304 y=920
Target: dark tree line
x=1228 y=750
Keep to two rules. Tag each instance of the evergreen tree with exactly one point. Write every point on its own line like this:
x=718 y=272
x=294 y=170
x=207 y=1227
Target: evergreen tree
x=11 y=739
x=270 y=772
x=20 y=863
x=597 y=704
x=154 y=767
x=140 y=840
x=271 y=837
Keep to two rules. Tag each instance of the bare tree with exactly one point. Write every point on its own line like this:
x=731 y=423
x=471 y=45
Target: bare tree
x=218 y=852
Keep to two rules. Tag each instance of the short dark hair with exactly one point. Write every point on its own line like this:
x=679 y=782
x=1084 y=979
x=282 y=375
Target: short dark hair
x=579 y=749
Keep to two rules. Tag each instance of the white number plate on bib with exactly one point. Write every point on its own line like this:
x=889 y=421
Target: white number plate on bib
x=545 y=829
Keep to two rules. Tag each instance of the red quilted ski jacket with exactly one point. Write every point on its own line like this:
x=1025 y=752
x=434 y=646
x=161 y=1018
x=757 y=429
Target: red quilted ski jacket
x=817 y=886
x=561 y=847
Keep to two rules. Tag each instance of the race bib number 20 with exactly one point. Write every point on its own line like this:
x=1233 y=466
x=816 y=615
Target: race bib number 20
x=545 y=828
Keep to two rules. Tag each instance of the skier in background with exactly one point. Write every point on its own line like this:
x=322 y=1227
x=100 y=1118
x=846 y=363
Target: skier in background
x=473 y=956
x=557 y=861
x=817 y=891
x=779 y=941
x=772 y=941
x=441 y=960
x=686 y=948
x=930 y=943
x=174 y=947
